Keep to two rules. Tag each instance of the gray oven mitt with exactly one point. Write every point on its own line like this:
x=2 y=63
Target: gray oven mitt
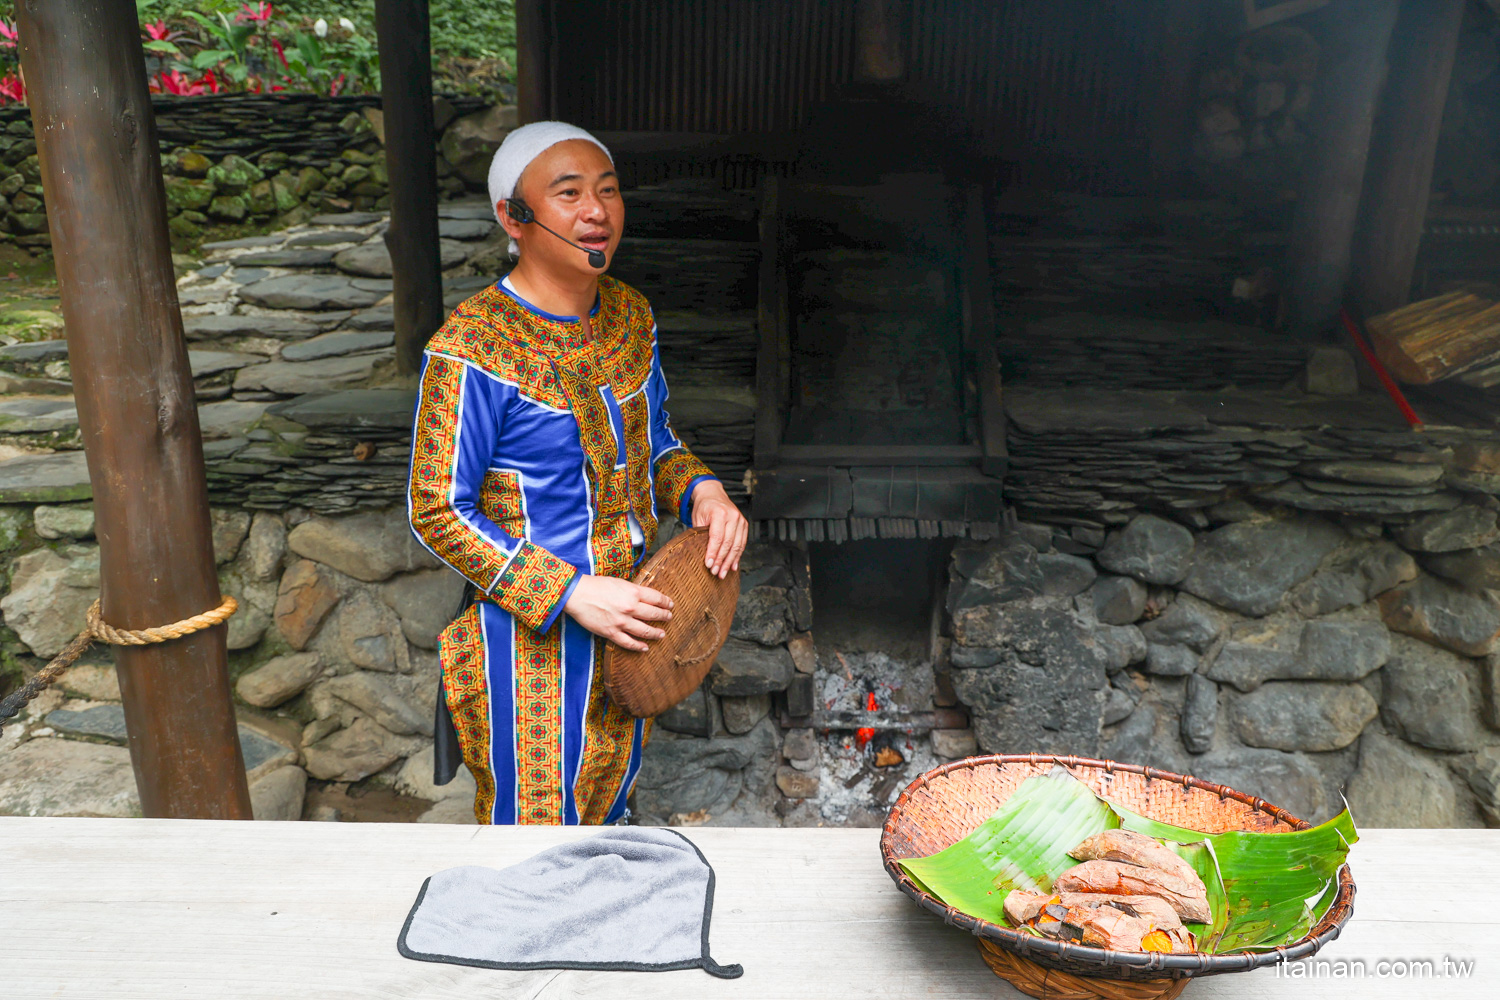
x=631 y=898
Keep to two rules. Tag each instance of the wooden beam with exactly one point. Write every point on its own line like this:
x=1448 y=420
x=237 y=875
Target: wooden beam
x=101 y=173
x=1319 y=246
x=880 y=40
x=879 y=454
x=1182 y=34
x=404 y=37
x=979 y=334
x=533 y=60
x=771 y=360
x=1260 y=13
x=1398 y=180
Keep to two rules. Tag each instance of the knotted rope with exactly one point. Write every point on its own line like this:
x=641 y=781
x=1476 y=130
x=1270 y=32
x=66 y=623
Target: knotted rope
x=98 y=628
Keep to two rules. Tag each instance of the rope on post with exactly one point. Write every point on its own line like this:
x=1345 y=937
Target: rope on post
x=97 y=628
x=161 y=633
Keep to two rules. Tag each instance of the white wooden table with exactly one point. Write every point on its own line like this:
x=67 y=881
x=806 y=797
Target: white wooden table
x=154 y=909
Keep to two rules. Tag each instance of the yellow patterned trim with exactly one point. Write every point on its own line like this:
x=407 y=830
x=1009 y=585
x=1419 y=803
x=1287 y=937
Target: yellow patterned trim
x=500 y=500
x=675 y=471
x=596 y=434
x=466 y=688
x=606 y=755
x=610 y=544
x=491 y=329
x=637 y=418
x=431 y=484
x=538 y=667
x=532 y=584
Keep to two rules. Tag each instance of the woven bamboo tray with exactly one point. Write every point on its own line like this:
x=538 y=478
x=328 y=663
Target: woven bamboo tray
x=948 y=803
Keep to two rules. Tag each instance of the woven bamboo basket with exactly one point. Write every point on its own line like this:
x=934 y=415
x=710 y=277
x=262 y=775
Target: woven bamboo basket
x=948 y=803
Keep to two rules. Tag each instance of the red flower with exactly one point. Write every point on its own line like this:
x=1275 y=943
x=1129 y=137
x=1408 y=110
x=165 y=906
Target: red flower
x=8 y=31
x=158 y=31
x=177 y=84
x=336 y=85
x=13 y=88
x=259 y=12
x=275 y=44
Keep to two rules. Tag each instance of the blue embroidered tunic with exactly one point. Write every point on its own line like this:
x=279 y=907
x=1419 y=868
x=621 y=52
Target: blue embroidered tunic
x=538 y=456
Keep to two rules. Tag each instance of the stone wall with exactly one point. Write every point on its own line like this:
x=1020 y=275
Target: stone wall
x=334 y=660
x=1279 y=652
x=332 y=653
x=252 y=162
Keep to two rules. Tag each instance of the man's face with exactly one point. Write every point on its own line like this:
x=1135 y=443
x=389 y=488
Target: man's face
x=573 y=189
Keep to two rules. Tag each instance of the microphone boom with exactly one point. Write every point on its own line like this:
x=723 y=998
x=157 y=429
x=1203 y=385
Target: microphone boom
x=522 y=213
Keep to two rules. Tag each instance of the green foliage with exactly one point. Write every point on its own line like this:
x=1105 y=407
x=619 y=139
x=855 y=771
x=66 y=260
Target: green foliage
x=473 y=41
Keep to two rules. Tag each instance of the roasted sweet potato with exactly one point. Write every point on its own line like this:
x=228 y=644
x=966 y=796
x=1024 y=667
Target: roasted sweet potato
x=1135 y=849
x=1189 y=900
x=1023 y=906
x=1155 y=911
x=1105 y=927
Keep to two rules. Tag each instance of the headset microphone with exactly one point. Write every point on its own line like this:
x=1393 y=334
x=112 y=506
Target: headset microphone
x=522 y=213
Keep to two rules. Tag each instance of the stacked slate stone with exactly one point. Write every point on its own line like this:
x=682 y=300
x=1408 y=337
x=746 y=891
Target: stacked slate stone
x=327 y=452
x=1277 y=652
x=249 y=124
x=1121 y=255
x=291 y=123
x=692 y=250
x=1125 y=352
x=1098 y=458
x=256 y=160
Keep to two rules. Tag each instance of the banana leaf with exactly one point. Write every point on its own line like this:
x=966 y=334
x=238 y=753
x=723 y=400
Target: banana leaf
x=1023 y=845
x=1259 y=885
x=1201 y=856
x=1268 y=878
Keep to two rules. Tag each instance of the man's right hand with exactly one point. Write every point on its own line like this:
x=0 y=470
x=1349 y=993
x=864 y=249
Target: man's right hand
x=619 y=610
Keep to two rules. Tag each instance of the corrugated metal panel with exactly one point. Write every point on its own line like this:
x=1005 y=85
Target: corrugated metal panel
x=1063 y=88
x=701 y=65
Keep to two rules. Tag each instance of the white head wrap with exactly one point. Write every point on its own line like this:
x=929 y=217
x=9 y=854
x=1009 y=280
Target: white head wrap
x=518 y=150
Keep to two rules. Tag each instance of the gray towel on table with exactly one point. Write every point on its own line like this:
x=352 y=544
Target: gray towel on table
x=631 y=898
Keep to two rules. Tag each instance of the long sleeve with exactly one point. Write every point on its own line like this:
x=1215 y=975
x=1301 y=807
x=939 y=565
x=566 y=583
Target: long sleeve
x=676 y=470
x=460 y=413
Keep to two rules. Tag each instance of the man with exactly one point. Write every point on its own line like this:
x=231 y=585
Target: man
x=542 y=459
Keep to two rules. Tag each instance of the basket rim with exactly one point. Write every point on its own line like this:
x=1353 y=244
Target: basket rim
x=1026 y=945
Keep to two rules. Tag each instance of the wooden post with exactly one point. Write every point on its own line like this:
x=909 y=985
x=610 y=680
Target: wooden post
x=979 y=326
x=1319 y=246
x=771 y=359
x=533 y=60
x=880 y=40
x=1398 y=180
x=1176 y=88
x=404 y=36
x=106 y=207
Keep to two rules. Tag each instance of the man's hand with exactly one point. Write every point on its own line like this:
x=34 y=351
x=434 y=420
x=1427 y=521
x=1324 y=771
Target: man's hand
x=619 y=610
x=727 y=528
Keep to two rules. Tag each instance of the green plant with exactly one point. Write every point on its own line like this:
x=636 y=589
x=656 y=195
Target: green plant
x=473 y=43
x=333 y=64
